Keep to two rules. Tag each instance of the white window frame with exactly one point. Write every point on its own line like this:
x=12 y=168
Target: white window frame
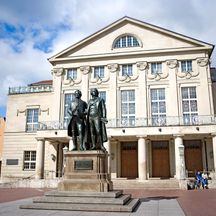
x=102 y=94
x=158 y=118
x=156 y=68
x=31 y=124
x=190 y=116
x=127 y=70
x=186 y=66
x=67 y=104
x=72 y=73
x=99 y=71
x=27 y=164
x=128 y=119
x=126 y=41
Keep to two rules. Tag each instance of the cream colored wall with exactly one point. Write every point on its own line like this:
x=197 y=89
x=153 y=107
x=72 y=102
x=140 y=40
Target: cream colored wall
x=142 y=83
x=50 y=160
x=15 y=145
x=17 y=106
x=2 y=129
x=16 y=139
x=150 y=40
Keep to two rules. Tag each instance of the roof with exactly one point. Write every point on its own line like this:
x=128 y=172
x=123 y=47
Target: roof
x=199 y=43
x=42 y=82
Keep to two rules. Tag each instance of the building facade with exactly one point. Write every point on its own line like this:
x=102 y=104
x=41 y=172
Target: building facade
x=158 y=92
x=2 y=129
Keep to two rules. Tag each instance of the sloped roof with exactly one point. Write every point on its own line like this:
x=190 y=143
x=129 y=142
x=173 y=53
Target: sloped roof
x=191 y=40
x=42 y=82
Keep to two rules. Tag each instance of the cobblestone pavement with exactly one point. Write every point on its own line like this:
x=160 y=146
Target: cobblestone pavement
x=153 y=203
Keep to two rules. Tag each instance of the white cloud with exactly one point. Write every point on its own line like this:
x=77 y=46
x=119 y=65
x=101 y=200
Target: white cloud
x=193 y=18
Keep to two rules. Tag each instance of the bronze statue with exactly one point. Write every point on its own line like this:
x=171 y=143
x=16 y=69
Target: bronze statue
x=76 y=127
x=96 y=120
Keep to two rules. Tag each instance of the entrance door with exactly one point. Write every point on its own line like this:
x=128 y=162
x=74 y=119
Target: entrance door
x=160 y=159
x=193 y=156
x=129 y=160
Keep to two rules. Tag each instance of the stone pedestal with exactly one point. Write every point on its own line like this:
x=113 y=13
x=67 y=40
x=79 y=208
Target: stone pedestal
x=86 y=171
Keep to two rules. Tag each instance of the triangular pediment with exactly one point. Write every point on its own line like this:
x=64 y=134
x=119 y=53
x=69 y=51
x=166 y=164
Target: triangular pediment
x=152 y=39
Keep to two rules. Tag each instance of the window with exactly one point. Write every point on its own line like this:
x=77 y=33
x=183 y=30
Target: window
x=127 y=70
x=32 y=120
x=186 y=66
x=128 y=108
x=156 y=68
x=99 y=71
x=102 y=94
x=72 y=74
x=126 y=41
x=158 y=107
x=68 y=99
x=29 y=162
x=189 y=105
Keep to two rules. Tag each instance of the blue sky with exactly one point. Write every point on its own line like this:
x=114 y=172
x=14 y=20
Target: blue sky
x=32 y=31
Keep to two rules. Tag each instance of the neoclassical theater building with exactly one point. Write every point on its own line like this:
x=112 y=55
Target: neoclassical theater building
x=159 y=97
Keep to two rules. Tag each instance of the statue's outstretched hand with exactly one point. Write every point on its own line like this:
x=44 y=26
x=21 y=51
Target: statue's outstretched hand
x=104 y=120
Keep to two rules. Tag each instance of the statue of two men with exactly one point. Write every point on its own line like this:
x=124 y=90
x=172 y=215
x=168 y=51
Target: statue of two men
x=88 y=122
x=76 y=127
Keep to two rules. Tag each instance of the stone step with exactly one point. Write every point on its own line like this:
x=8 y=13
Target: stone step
x=121 y=200
x=110 y=194
x=128 y=207
x=148 y=184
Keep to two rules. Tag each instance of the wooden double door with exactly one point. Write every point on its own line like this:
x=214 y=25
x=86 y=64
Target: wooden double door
x=129 y=160
x=193 y=156
x=160 y=159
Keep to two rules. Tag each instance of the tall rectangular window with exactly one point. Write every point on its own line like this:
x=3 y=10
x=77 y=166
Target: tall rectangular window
x=128 y=108
x=99 y=71
x=29 y=162
x=72 y=74
x=158 y=106
x=186 y=66
x=102 y=94
x=156 y=68
x=127 y=70
x=67 y=101
x=189 y=105
x=32 y=119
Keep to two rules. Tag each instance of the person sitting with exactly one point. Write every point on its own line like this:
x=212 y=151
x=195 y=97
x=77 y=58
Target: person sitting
x=198 y=177
x=204 y=181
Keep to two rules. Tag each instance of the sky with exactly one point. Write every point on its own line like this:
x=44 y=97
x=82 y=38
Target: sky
x=32 y=31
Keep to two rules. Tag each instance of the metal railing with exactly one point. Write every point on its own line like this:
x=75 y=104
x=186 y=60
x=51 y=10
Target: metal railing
x=139 y=122
x=30 y=89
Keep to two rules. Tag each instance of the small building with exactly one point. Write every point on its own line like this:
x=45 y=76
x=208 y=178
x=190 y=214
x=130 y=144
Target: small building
x=159 y=97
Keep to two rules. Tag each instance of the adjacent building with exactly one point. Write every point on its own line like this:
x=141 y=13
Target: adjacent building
x=158 y=92
x=2 y=129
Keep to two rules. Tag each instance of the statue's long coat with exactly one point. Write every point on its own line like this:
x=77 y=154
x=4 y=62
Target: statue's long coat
x=79 y=106
x=102 y=115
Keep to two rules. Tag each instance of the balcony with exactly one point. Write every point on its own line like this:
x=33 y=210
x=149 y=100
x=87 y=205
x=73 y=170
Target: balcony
x=30 y=89
x=139 y=122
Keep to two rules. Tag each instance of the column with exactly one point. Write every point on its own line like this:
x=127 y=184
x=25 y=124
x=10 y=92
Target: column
x=40 y=159
x=214 y=150
x=142 y=158
x=107 y=145
x=179 y=157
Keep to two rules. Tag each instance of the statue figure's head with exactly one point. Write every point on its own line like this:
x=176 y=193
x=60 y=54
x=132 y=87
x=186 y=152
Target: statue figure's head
x=78 y=94
x=94 y=92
